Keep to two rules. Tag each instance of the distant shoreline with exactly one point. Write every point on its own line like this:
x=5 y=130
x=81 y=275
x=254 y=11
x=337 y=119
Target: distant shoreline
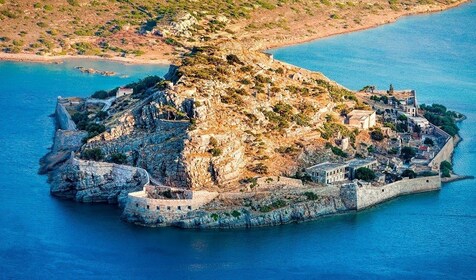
x=25 y=57
x=387 y=19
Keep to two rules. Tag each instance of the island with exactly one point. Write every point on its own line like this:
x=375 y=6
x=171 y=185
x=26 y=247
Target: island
x=232 y=138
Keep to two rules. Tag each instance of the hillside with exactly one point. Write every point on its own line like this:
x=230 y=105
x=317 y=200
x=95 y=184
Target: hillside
x=229 y=115
x=148 y=30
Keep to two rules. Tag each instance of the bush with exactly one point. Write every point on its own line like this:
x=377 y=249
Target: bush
x=236 y=214
x=446 y=168
x=377 y=135
x=232 y=59
x=409 y=173
x=118 y=158
x=216 y=152
x=429 y=142
x=260 y=168
x=275 y=205
x=311 y=195
x=364 y=173
x=407 y=153
x=92 y=154
x=339 y=152
x=102 y=94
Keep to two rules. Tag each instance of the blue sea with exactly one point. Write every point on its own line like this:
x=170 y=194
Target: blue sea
x=424 y=236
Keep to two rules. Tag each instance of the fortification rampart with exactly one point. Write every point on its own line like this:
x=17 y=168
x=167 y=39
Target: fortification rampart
x=63 y=119
x=446 y=151
x=156 y=212
x=369 y=195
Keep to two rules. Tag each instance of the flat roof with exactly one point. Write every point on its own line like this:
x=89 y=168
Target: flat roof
x=360 y=162
x=327 y=166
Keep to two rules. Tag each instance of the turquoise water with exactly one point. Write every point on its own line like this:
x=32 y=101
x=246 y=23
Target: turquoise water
x=429 y=235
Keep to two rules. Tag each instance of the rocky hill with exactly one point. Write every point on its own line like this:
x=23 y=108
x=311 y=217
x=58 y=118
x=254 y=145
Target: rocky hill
x=221 y=117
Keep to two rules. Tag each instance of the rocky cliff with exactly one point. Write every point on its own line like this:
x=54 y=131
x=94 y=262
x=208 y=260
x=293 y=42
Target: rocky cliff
x=90 y=181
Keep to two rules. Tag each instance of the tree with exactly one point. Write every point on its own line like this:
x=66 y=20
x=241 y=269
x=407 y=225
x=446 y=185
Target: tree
x=417 y=129
x=364 y=173
x=390 y=90
x=446 y=168
x=429 y=142
x=409 y=173
x=407 y=153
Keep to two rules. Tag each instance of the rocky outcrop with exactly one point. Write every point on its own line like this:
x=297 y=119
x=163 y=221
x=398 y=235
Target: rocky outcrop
x=89 y=181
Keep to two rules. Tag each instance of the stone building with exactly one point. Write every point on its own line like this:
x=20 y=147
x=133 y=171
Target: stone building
x=423 y=123
x=361 y=119
x=327 y=173
x=124 y=91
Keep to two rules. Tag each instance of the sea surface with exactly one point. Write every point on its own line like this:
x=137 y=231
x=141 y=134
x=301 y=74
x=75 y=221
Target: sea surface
x=425 y=236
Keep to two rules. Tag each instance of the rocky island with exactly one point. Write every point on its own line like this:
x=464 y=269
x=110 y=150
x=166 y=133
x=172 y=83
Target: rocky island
x=232 y=138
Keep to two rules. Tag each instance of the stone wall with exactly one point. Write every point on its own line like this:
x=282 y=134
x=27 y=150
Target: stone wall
x=142 y=210
x=63 y=119
x=446 y=152
x=370 y=195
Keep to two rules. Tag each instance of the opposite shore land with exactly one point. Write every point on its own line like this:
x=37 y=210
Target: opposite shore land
x=259 y=42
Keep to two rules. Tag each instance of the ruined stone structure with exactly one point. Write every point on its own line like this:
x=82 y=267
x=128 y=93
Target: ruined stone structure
x=327 y=173
x=361 y=119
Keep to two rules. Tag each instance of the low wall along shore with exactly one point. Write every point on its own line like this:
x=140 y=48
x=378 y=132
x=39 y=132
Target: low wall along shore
x=369 y=196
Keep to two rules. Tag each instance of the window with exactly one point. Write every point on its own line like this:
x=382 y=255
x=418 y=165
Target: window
x=179 y=207
x=158 y=207
x=147 y=206
x=189 y=207
x=168 y=207
x=137 y=204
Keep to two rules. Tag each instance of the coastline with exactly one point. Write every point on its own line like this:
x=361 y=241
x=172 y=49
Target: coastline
x=327 y=32
x=33 y=58
x=388 y=19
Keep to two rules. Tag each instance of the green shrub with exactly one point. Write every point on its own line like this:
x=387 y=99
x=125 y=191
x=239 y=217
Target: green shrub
x=311 y=196
x=364 y=173
x=377 y=135
x=337 y=151
x=260 y=168
x=233 y=59
x=446 y=168
x=118 y=158
x=409 y=173
x=429 y=142
x=236 y=214
x=275 y=205
x=407 y=153
x=92 y=154
x=216 y=152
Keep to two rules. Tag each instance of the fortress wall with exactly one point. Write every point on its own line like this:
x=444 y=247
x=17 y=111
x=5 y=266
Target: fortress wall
x=63 y=118
x=369 y=196
x=444 y=154
x=143 y=210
